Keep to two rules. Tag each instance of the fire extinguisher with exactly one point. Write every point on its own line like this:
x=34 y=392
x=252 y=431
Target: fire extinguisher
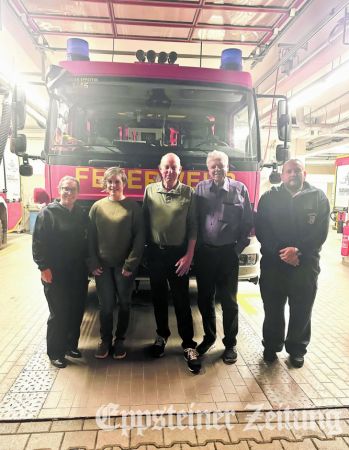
x=341 y=217
x=345 y=240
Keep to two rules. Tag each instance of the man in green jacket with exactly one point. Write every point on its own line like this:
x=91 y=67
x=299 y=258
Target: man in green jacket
x=171 y=229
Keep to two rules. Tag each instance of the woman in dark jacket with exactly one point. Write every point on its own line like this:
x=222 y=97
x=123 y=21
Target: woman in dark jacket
x=59 y=250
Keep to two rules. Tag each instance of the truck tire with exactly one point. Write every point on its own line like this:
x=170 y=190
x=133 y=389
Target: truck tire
x=2 y=236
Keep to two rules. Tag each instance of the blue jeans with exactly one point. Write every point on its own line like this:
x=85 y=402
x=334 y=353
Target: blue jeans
x=111 y=284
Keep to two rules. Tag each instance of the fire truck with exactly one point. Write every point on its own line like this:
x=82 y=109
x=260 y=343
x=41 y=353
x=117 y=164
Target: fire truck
x=12 y=118
x=106 y=114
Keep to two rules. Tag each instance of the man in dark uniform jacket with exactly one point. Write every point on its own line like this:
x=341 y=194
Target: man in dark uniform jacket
x=291 y=224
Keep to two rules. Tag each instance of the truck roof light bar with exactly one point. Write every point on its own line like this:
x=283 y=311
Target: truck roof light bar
x=140 y=55
x=151 y=55
x=162 y=57
x=172 y=57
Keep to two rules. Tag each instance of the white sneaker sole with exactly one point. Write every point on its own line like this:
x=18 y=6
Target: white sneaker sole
x=105 y=355
x=122 y=356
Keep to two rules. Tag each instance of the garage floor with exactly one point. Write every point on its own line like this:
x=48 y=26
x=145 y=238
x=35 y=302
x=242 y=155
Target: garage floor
x=93 y=404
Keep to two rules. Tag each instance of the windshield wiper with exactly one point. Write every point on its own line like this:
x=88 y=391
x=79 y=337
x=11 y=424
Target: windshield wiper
x=214 y=142
x=87 y=146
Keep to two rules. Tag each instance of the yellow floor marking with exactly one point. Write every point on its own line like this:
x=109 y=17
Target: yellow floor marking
x=244 y=302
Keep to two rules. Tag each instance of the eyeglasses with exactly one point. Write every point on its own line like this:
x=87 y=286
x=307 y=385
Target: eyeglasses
x=68 y=189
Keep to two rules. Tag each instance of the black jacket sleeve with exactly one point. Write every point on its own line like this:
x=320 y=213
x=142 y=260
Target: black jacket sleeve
x=263 y=226
x=40 y=244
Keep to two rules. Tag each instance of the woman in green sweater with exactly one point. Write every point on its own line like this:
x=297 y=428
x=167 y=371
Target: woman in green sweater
x=116 y=243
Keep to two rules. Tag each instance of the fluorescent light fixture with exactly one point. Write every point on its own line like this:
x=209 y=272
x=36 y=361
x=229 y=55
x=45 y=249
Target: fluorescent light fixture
x=318 y=88
x=216 y=35
x=334 y=149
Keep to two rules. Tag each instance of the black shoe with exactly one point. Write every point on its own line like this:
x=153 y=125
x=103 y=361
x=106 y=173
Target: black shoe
x=103 y=350
x=229 y=355
x=297 y=361
x=191 y=356
x=269 y=356
x=157 y=350
x=75 y=353
x=204 y=347
x=60 y=363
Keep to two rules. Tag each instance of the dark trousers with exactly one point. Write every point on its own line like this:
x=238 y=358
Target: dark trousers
x=298 y=285
x=162 y=272
x=66 y=297
x=111 y=284
x=217 y=270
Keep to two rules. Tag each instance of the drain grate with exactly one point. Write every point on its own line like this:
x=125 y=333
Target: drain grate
x=34 y=381
x=21 y=405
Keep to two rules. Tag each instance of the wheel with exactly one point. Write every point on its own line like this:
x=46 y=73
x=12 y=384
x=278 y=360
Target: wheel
x=2 y=235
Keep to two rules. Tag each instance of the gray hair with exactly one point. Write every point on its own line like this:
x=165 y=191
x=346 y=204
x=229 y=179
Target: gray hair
x=114 y=171
x=295 y=161
x=216 y=154
x=69 y=178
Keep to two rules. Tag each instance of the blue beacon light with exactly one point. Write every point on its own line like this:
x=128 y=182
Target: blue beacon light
x=231 y=59
x=77 y=50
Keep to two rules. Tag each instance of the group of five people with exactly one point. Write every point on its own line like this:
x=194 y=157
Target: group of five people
x=178 y=225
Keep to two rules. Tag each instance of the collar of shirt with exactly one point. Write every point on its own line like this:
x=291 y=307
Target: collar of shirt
x=224 y=187
x=296 y=194
x=174 y=191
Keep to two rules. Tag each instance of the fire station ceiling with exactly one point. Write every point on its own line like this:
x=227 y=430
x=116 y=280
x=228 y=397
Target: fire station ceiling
x=294 y=47
x=248 y=23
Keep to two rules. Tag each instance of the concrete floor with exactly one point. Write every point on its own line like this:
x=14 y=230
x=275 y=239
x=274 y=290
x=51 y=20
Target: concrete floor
x=84 y=405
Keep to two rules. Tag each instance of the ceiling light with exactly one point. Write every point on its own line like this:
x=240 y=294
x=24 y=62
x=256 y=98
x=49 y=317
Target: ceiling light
x=318 y=88
x=13 y=78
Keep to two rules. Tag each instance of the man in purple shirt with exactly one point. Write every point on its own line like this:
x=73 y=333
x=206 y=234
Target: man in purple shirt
x=225 y=221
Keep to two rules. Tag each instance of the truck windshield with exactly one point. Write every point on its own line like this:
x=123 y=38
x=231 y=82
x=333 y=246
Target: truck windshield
x=120 y=116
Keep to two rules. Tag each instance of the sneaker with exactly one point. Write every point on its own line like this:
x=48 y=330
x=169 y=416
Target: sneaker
x=229 y=355
x=191 y=356
x=297 y=361
x=60 y=363
x=269 y=356
x=75 y=353
x=103 y=350
x=204 y=347
x=119 y=349
x=158 y=348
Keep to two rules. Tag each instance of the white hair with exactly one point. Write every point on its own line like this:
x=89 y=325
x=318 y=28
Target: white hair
x=173 y=155
x=216 y=154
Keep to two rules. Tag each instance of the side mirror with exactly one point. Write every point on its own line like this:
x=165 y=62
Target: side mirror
x=26 y=170
x=275 y=177
x=19 y=112
x=18 y=144
x=282 y=154
x=283 y=121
